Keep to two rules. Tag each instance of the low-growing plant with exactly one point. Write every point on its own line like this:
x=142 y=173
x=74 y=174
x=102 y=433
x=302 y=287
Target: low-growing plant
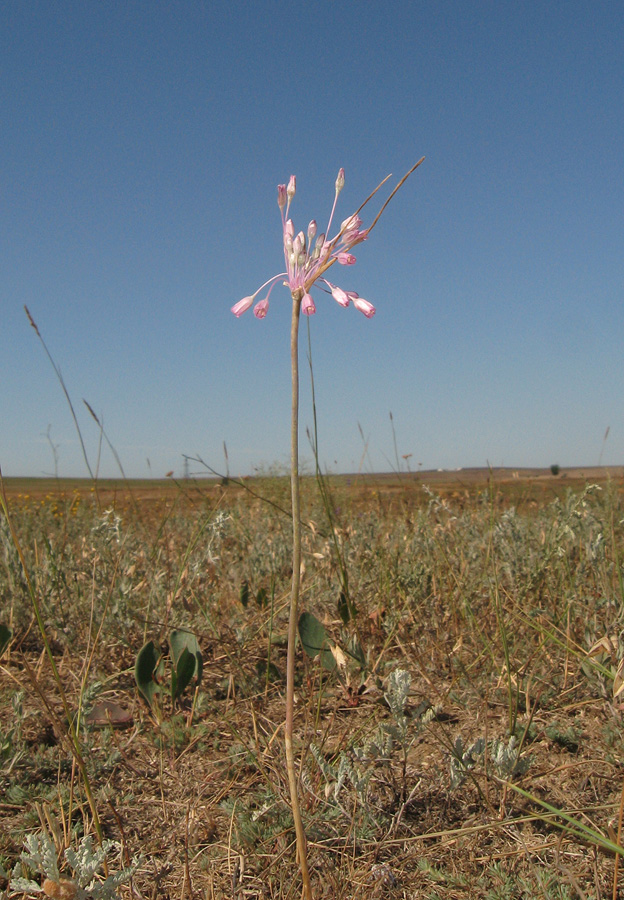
x=83 y=881
x=186 y=666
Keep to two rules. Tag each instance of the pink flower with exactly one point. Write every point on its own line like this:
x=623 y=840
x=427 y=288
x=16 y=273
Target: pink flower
x=307 y=305
x=261 y=308
x=242 y=306
x=363 y=305
x=338 y=294
x=346 y=259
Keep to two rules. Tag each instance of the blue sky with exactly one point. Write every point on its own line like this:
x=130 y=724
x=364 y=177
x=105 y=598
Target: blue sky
x=142 y=146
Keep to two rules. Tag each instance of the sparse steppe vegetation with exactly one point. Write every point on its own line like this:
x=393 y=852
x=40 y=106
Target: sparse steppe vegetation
x=463 y=709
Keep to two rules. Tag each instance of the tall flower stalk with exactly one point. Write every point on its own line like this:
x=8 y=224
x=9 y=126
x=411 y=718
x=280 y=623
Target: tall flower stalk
x=307 y=257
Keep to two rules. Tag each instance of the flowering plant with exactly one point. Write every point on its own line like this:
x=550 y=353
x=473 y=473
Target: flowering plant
x=307 y=258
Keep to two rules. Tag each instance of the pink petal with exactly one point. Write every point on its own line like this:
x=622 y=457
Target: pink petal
x=261 y=308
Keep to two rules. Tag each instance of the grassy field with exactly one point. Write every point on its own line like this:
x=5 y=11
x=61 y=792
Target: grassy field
x=460 y=736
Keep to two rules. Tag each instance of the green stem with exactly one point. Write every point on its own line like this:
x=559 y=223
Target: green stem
x=294 y=599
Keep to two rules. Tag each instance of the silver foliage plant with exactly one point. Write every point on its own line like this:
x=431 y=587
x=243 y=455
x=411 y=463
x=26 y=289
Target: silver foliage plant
x=39 y=857
x=357 y=767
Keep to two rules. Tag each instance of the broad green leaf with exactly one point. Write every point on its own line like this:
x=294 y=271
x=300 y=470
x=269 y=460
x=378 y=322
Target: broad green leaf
x=244 y=594
x=314 y=640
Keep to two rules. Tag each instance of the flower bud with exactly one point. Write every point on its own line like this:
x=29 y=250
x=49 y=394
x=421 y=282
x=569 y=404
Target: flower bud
x=340 y=296
x=292 y=187
x=281 y=195
x=353 y=222
x=299 y=244
x=289 y=231
x=364 y=306
x=311 y=231
x=350 y=231
x=307 y=305
x=242 y=306
x=261 y=308
x=346 y=259
x=340 y=181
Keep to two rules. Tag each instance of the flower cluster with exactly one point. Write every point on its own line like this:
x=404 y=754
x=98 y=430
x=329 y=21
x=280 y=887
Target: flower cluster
x=309 y=256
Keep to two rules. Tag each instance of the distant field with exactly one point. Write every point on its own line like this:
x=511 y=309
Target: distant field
x=454 y=479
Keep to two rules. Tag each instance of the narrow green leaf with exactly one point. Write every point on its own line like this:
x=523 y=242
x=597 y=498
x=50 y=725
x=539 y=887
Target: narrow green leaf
x=343 y=608
x=354 y=649
x=145 y=670
x=6 y=635
x=179 y=641
x=244 y=594
x=184 y=672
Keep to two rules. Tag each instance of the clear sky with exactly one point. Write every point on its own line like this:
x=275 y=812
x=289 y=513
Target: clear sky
x=142 y=143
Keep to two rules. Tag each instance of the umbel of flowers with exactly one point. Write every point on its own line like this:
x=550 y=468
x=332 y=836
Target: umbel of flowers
x=309 y=255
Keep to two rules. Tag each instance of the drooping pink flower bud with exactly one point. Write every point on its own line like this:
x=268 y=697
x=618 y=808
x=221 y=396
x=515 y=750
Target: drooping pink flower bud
x=242 y=306
x=261 y=308
x=364 y=306
x=346 y=259
x=340 y=181
x=292 y=187
x=340 y=296
x=307 y=305
x=281 y=195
